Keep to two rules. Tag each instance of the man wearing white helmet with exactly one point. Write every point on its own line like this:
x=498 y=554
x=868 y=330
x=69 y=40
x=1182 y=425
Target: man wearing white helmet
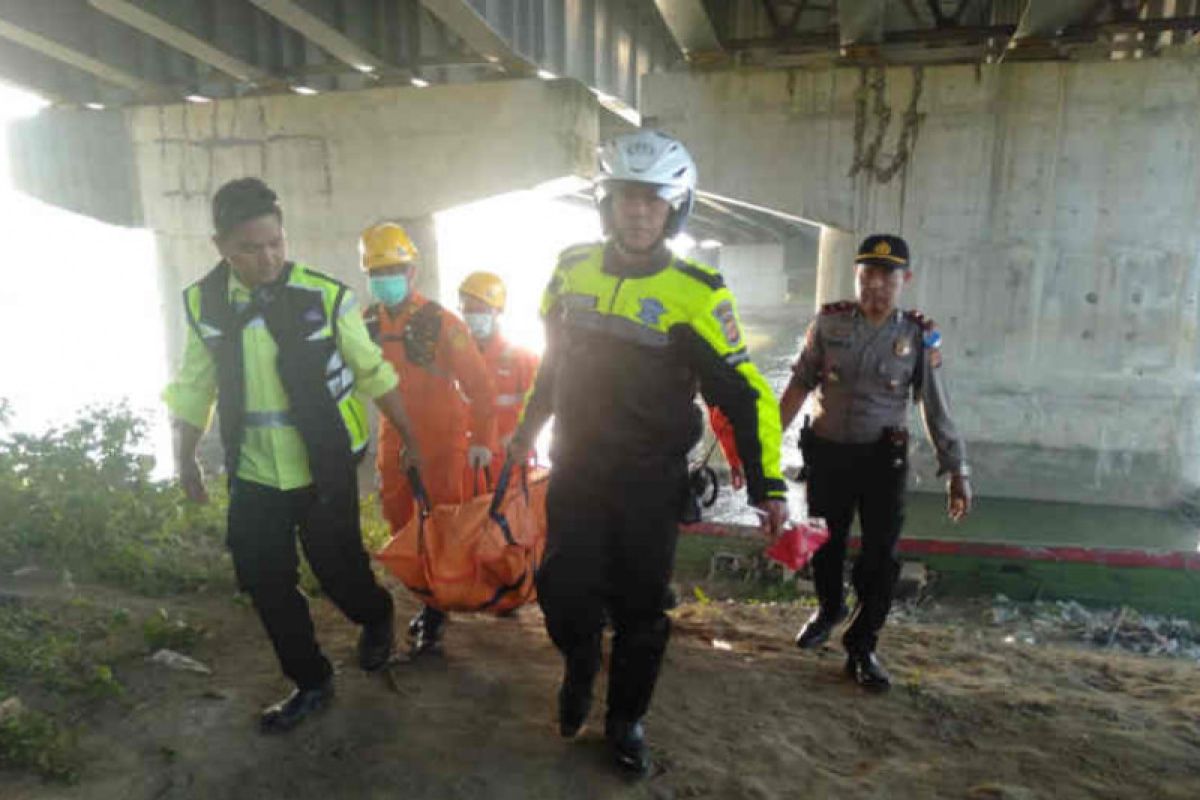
x=631 y=332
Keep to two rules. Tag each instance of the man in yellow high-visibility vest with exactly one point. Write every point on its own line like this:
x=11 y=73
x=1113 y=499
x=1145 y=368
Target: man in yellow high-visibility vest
x=282 y=350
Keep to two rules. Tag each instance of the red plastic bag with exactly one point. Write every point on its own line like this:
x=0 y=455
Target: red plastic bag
x=798 y=543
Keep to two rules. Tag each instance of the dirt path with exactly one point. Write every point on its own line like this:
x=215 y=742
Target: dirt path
x=970 y=717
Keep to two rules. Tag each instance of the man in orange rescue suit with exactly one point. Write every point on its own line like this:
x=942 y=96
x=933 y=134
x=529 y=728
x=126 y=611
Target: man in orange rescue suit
x=438 y=366
x=864 y=360
x=482 y=298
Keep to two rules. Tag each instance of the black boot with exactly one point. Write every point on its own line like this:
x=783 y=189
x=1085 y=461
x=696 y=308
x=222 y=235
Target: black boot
x=816 y=631
x=865 y=670
x=295 y=708
x=426 y=629
x=628 y=743
x=375 y=644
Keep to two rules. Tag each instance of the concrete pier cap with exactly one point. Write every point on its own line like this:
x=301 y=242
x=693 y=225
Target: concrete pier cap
x=1051 y=209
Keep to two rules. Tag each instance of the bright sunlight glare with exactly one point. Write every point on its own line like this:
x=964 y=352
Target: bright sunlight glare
x=518 y=236
x=81 y=310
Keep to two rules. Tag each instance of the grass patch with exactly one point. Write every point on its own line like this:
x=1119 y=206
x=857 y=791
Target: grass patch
x=81 y=497
x=162 y=631
x=61 y=656
x=59 y=652
x=33 y=742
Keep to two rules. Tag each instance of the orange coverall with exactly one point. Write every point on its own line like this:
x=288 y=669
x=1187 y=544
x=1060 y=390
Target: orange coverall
x=512 y=370
x=448 y=400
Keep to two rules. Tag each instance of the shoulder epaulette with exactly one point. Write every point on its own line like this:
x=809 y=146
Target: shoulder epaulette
x=924 y=322
x=576 y=253
x=700 y=272
x=932 y=336
x=840 y=307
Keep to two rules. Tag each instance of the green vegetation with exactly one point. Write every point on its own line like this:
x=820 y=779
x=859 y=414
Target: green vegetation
x=32 y=742
x=60 y=653
x=78 y=503
x=80 y=497
x=162 y=630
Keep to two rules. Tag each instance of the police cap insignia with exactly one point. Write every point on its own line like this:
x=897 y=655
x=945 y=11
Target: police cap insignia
x=884 y=250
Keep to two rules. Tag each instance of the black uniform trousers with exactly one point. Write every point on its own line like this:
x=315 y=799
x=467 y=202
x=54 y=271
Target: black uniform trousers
x=610 y=551
x=263 y=523
x=869 y=479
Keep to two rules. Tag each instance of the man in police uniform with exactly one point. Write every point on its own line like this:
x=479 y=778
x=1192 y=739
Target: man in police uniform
x=282 y=351
x=631 y=331
x=864 y=360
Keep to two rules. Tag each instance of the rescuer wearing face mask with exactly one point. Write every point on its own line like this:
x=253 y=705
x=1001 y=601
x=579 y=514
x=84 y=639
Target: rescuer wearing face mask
x=482 y=298
x=446 y=390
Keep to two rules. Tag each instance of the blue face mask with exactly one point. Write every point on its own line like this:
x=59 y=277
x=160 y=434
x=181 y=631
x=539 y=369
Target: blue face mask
x=482 y=326
x=391 y=290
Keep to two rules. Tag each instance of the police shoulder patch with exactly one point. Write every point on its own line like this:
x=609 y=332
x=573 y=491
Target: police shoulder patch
x=840 y=307
x=725 y=315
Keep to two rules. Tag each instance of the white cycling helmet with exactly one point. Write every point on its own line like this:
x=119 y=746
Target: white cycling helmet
x=654 y=158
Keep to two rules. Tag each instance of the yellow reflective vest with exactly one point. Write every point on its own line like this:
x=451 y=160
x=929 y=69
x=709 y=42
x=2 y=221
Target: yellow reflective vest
x=625 y=356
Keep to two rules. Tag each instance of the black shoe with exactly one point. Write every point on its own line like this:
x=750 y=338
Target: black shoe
x=816 y=631
x=426 y=629
x=295 y=708
x=375 y=644
x=867 y=672
x=628 y=743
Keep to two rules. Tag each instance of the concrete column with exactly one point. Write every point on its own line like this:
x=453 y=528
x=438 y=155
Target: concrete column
x=754 y=272
x=424 y=236
x=1051 y=209
x=801 y=255
x=339 y=161
x=835 y=265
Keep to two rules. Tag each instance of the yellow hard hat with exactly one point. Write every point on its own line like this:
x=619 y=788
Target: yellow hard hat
x=386 y=245
x=486 y=287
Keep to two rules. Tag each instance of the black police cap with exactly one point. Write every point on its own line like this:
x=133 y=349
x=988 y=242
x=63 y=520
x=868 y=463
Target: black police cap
x=884 y=250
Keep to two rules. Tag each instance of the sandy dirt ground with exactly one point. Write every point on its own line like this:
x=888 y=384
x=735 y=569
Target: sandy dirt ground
x=749 y=717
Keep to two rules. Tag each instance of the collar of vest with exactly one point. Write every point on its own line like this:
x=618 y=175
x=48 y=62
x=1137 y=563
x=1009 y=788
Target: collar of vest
x=662 y=259
x=224 y=273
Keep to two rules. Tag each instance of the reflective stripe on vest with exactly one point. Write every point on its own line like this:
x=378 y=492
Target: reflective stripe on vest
x=339 y=382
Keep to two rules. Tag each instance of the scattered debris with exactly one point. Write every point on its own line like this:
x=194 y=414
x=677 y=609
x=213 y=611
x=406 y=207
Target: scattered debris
x=721 y=644
x=178 y=661
x=725 y=562
x=11 y=709
x=1121 y=628
x=914 y=577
